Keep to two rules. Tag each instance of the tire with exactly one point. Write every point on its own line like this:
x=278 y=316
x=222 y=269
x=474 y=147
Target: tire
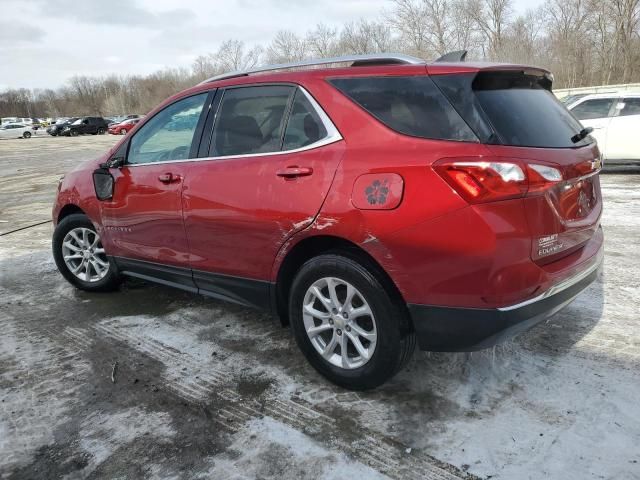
x=26 y=135
x=62 y=237
x=393 y=343
x=73 y=133
x=101 y=131
x=123 y=131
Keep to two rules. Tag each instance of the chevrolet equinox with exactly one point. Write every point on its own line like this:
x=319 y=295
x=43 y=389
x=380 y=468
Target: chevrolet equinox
x=372 y=202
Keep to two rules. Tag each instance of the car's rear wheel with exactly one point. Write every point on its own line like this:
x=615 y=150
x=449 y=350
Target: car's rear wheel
x=348 y=326
x=26 y=135
x=80 y=256
x=123 y=131
x=101 y=131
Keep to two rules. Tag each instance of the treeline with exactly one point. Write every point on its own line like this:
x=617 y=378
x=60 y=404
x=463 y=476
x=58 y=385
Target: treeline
x=583 y=42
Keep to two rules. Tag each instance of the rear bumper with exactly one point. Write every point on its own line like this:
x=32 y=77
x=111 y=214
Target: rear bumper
x=449 y=329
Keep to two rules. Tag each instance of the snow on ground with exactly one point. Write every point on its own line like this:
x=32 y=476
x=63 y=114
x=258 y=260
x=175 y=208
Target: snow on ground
x=209 y=390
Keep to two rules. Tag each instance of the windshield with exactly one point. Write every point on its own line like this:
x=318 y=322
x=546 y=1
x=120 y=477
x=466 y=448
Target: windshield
x=511 y=108
x=77 y=122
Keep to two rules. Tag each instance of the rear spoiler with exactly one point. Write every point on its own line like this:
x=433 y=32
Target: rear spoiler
x=457 y=56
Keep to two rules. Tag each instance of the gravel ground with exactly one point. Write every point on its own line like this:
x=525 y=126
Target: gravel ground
x=208 y=390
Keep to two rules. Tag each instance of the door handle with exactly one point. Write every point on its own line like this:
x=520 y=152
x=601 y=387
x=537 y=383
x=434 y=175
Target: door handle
x=168 y=178
x=294 y=171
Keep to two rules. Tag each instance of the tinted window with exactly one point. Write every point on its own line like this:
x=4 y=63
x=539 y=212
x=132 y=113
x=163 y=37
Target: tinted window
x=304 y=126
x=168 y=135
x=596 y=108
x=410 y=105
x=250 y=120
x=631 y=107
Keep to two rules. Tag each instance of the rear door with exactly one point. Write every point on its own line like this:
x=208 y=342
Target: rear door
x=623 y=139
x=143 y=220
x=265 y=172
x=596 y=113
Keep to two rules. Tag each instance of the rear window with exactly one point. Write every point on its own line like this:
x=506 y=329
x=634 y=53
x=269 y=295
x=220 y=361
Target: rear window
x=511 y=108
x=409 y=105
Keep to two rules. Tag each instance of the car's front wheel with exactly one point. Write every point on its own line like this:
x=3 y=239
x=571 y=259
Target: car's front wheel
x=80 y=256
x=73 y=133
x=347 y=324
x=26 y=135
x=101 y=131
x=123 y=131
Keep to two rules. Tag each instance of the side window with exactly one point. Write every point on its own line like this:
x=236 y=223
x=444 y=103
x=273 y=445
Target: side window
x=168 y=135
x=304 y=126
x=250 y=120
x=409 y=105
x=589 y=109
x=631 y=107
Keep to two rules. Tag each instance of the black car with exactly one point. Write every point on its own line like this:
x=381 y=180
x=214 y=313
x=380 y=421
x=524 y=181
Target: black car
x=92 y=125
x=59 y=125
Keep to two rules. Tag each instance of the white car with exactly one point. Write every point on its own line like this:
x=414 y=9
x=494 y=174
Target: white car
x=615 y=119
x=15 y=130
x=23 y=120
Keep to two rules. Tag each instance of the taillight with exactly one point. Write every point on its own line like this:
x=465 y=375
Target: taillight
x=488 y=180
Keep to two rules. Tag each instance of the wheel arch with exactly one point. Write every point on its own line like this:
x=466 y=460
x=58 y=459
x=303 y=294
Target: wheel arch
x=322 y=244
x=69 y=209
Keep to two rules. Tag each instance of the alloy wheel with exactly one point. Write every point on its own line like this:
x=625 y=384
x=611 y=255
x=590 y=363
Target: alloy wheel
x=339 y=323
x=84 y=256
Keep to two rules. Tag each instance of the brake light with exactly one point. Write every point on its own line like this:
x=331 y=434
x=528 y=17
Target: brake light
x=479 y=181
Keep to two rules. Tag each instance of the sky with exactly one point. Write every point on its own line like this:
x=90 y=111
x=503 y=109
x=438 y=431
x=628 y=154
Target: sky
x=45 y=42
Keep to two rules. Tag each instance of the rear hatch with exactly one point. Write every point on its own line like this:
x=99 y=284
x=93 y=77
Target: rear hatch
x=514 y=113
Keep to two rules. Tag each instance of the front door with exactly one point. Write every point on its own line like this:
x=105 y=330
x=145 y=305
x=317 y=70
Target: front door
x=143 y=221
x=266 y=176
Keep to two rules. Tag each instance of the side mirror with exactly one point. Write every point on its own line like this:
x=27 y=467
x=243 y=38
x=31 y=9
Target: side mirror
x=113 y=162
x=103 y=184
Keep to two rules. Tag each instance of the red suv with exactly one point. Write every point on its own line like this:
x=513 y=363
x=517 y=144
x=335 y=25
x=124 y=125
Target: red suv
x=369 y=206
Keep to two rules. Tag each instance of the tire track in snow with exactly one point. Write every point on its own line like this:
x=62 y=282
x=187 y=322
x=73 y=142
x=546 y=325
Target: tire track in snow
x=190 y=374
x=40 y=383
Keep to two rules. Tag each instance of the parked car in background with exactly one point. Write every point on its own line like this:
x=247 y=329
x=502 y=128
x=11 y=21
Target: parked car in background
x=570 y=99
x=615 y=119
x=122 y=118
x=343 y=200
x=22 y=120
x=86 y=125
x=59 y=125
x=15 y=130
x=123 y=128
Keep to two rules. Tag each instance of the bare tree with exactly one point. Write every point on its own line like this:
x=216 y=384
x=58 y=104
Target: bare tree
x=285 y=47
x=584 y=42
x=491 y=18
x=366 y=37
x=323 y=42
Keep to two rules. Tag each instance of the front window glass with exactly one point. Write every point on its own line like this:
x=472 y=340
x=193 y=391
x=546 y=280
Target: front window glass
x=169 y=134
x=77 y=122
x=250 y=120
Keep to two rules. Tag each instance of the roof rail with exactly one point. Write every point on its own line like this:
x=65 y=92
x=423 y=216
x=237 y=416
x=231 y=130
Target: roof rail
x=457 y=56
x=355 y=60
